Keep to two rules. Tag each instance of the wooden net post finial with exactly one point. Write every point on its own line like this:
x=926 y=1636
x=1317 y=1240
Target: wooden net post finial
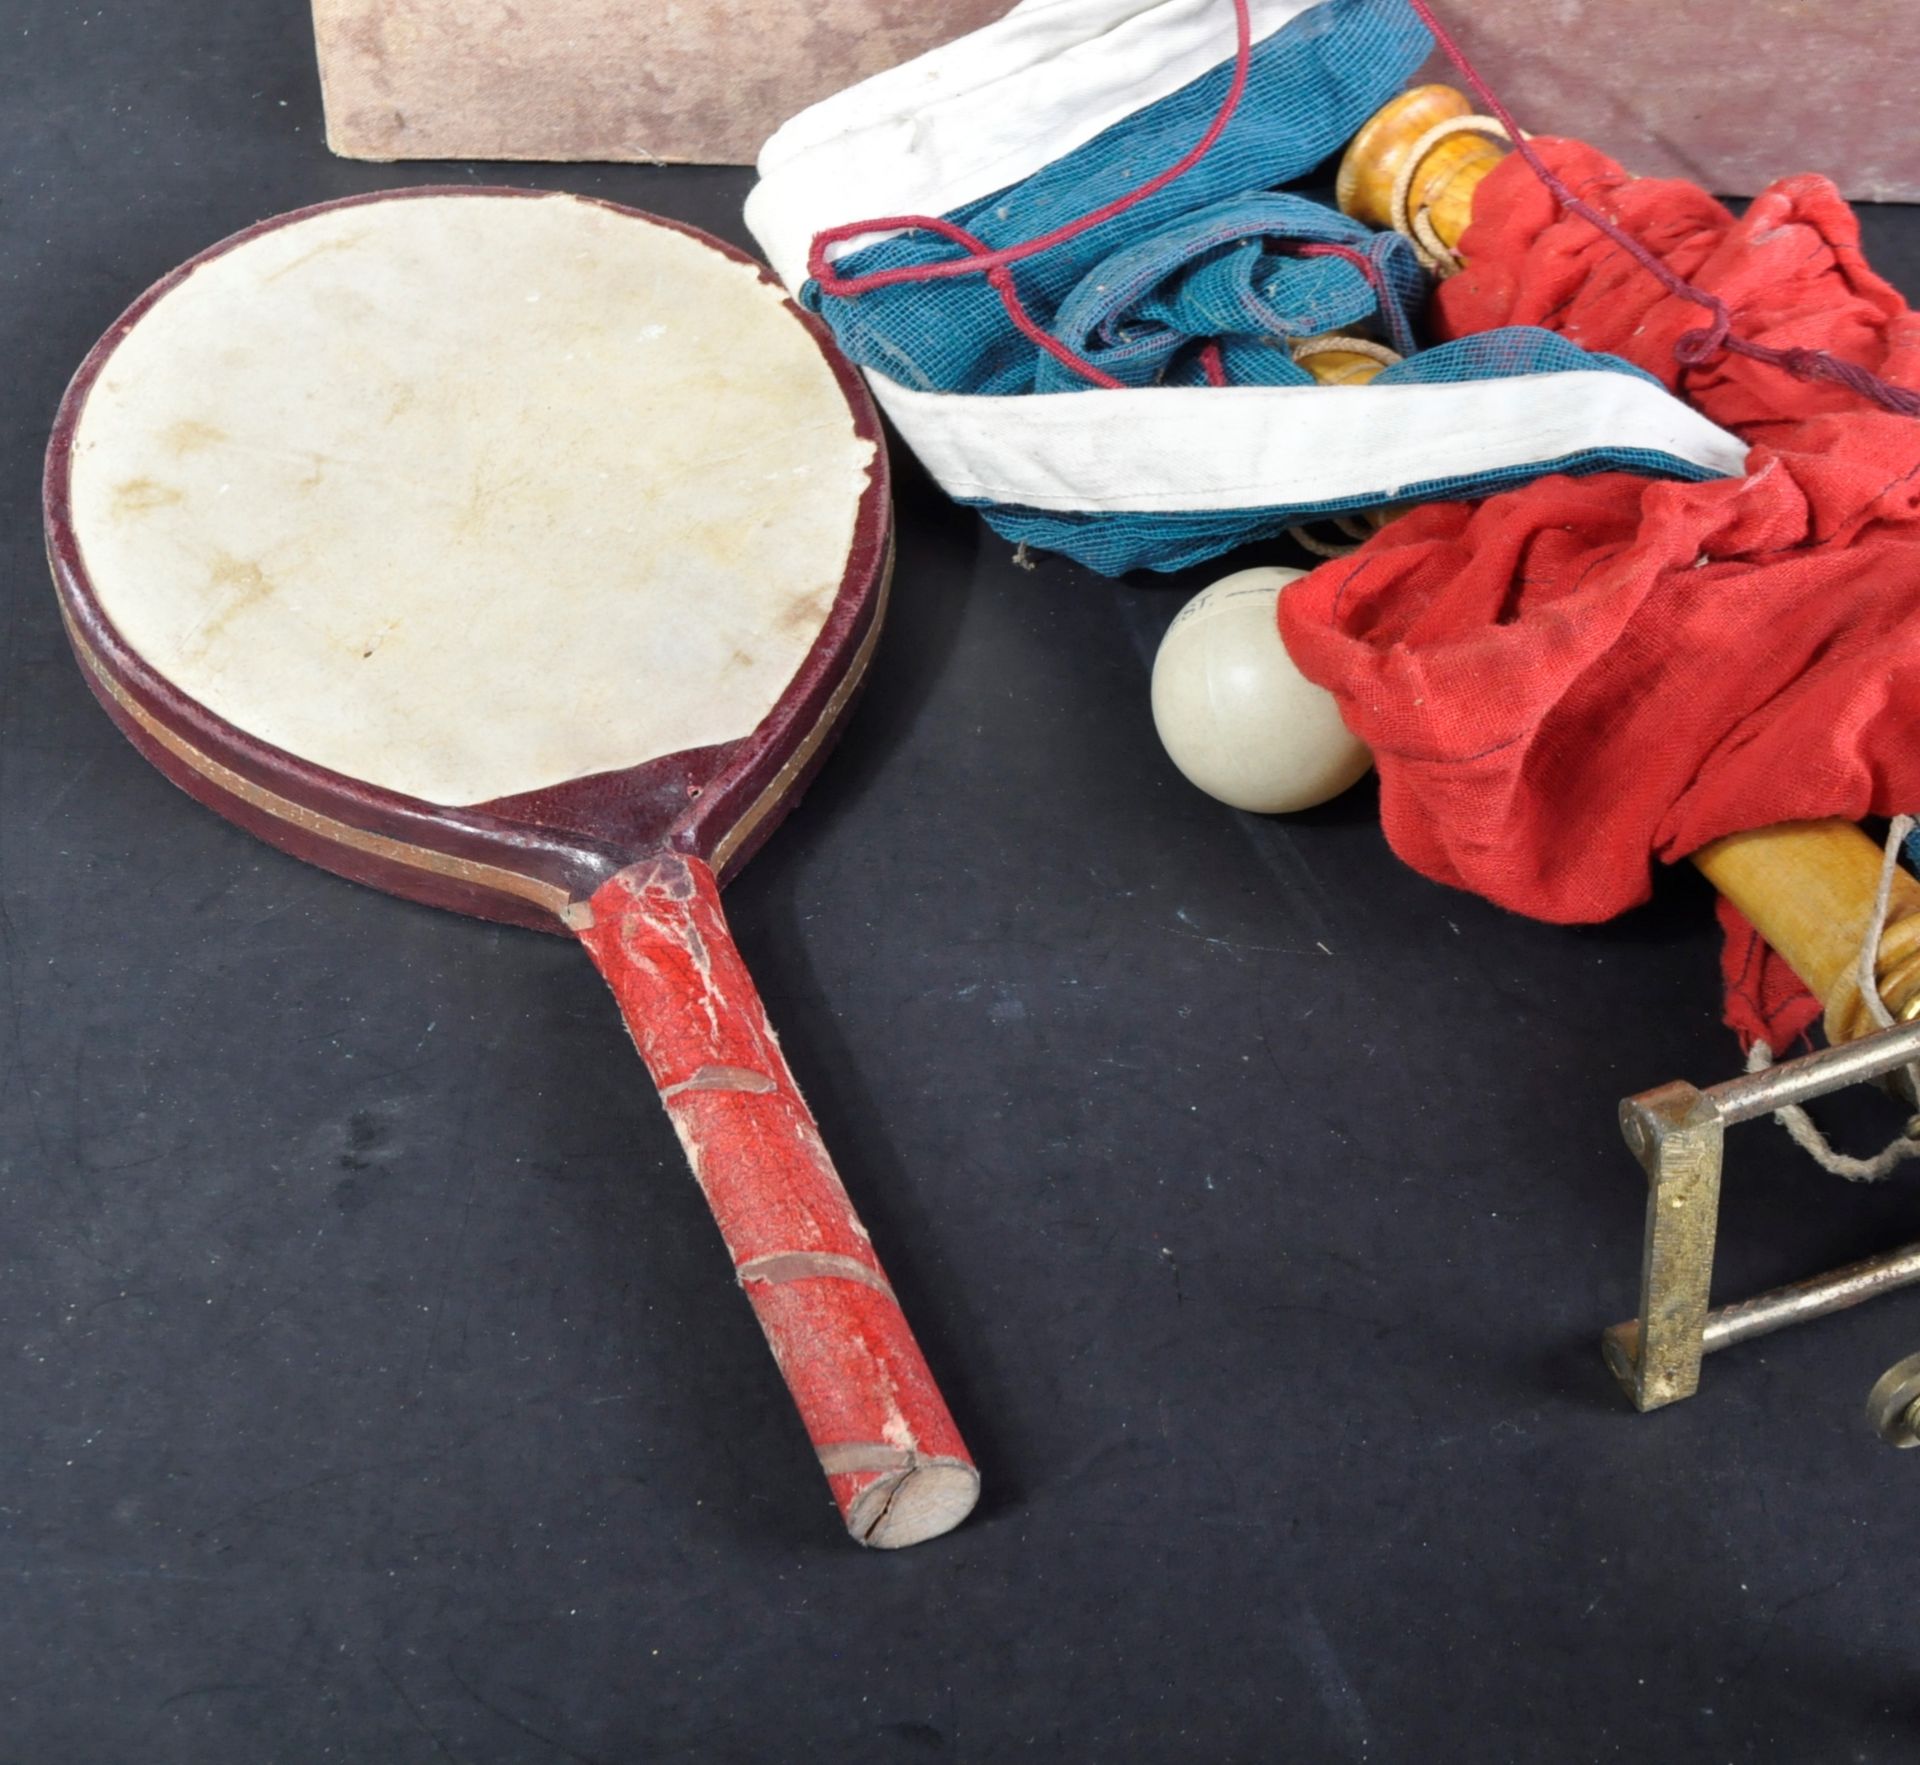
x=1415 y=167
x=1373 y=161
x=1343 y=358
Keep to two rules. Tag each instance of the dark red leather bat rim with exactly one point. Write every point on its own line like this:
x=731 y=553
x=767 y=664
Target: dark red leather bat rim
x=626 y=860
x=527 y=860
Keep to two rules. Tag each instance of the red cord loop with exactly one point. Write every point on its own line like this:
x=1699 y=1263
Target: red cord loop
x=981 y=259
x=1693 y=348
x=1348 y=254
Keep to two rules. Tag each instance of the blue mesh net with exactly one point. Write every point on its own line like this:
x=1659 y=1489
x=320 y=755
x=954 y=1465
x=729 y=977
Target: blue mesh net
x=1310 y=87
x=1213 y=261
x=1230 y=274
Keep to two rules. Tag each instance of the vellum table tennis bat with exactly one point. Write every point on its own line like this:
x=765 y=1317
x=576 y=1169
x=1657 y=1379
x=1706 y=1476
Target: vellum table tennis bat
x=520 y=554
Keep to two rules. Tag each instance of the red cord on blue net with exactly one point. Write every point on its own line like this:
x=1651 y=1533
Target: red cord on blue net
x=1691 y=350
x=997 y=266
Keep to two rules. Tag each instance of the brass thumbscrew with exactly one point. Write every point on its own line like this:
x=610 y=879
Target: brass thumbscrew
x=1893 y=1406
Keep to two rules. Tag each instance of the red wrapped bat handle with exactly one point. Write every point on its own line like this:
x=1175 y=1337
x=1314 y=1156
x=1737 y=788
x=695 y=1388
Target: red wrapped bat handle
x=893 y=1457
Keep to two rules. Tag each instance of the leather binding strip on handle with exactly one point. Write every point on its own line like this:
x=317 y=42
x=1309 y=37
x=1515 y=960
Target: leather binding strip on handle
x=893 y=1457
x=1808 y=888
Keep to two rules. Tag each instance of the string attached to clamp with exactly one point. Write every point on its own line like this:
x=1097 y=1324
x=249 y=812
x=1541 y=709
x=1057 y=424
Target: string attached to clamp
x=1718 y=334
x=1793 y=1118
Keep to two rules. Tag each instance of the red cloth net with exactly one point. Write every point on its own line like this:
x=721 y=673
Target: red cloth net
x=1562 y=682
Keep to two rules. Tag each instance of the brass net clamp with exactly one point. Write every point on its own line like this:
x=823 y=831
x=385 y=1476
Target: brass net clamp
x=1677 y=1132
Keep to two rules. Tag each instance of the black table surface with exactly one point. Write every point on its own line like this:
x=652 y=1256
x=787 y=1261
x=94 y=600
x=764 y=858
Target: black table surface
x=371 y=1382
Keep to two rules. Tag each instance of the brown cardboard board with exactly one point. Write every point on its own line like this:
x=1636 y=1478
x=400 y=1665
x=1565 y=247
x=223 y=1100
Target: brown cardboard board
x=675 y=80
x=1730 y=93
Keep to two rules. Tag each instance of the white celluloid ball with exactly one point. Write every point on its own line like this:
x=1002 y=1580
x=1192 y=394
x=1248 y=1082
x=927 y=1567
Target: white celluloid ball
x=1234 y=713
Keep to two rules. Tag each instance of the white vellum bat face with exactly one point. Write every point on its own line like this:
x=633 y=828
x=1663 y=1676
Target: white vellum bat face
x=465 y=496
